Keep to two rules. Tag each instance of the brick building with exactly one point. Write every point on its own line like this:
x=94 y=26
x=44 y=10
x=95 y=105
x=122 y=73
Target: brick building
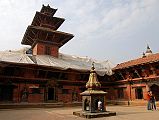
x=42 y=74
x=132 y=79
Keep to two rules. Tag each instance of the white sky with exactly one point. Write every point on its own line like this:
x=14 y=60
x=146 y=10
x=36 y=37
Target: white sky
x=117 y=30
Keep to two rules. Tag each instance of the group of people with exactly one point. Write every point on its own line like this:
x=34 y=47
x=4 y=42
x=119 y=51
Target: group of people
x=151 y=101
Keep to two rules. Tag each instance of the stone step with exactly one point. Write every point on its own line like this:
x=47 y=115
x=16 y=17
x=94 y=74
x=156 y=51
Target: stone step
x=38 y=105
x=30 y=105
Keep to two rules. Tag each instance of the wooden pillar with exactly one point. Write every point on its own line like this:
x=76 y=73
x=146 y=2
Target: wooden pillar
x=147 y=87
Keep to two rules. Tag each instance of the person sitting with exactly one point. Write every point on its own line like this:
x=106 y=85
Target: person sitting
x=99 y=105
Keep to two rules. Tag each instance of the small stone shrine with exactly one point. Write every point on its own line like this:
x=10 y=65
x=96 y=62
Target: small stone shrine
x=93 y=99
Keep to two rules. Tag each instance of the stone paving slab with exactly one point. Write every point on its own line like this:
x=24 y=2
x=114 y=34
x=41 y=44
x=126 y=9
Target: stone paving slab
x=66 y=113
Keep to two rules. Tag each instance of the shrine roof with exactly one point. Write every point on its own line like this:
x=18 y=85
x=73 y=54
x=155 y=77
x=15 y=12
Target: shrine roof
x=140 y=61
x=93 y=92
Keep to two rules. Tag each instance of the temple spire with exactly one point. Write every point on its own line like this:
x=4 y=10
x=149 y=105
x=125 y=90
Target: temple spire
x=93 y=82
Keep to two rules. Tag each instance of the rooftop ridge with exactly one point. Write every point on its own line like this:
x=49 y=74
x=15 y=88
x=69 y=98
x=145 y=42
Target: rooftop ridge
x=138 y=61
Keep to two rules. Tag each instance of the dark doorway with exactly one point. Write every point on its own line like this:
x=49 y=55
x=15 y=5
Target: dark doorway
x=6 y=93
x=139 y=93
x=51 y=94
x=155 y=90
x=120 y=93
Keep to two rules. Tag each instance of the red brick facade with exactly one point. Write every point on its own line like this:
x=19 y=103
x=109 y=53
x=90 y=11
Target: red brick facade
x=35 y=83
x=137 y=77
x=40 y=49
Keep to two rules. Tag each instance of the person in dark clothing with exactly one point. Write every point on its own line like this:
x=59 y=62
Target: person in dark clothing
x=153 y=102
x=149 y=102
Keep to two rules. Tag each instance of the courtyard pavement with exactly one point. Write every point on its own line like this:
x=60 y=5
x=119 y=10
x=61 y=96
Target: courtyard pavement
x=123 y=113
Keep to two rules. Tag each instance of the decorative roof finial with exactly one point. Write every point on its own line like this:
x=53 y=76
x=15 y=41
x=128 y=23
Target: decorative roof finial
x=148 y=51
x=148 y=46
x=143 y=55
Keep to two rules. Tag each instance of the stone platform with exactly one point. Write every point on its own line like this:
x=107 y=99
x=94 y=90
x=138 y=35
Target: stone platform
x=94 y=115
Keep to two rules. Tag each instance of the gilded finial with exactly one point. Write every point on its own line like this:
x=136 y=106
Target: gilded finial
x=93 y=82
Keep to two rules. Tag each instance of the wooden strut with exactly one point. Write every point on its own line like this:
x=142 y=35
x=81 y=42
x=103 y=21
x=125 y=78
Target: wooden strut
x=121 y=75
x=57 y=24
x=32 y=32
x=137 y=73
x=39 y=20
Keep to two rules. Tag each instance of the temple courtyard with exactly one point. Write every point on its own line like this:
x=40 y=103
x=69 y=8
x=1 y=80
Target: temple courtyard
x=65 y=113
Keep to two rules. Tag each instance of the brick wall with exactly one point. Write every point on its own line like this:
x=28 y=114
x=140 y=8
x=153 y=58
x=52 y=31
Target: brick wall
x=39 y=49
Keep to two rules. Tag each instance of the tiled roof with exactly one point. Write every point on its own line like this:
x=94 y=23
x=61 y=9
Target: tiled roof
x=148 y=59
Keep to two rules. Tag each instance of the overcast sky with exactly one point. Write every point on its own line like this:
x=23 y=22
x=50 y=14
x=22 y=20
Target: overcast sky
x=117 y=30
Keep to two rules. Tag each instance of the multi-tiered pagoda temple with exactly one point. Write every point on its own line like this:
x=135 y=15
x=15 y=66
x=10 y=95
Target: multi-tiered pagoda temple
x=40 y=73
x=42 y=34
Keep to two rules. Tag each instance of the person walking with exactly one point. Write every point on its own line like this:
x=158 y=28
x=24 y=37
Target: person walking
x=153 y=102
x=148 y=100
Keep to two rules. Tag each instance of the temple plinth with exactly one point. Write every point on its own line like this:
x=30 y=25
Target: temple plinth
x=93 y=99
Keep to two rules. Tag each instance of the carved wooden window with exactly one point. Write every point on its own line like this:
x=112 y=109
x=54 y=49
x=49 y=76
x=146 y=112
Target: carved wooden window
x=47 y=50
x=139 y=93
x=120 y=93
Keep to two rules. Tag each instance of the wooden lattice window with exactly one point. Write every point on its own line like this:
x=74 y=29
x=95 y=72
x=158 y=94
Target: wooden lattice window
x=120 y=93
x=139 y=93
x=47 y=50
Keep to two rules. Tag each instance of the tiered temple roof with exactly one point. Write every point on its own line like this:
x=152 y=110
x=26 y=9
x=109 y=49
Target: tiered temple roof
x=43 y=29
